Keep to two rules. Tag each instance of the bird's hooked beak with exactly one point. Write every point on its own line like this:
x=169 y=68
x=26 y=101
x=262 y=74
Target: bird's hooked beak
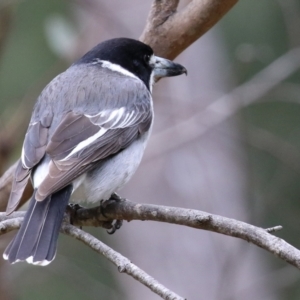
x=163 y=67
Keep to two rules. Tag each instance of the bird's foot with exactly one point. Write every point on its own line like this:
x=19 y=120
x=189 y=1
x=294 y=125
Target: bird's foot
x=72 y=210
x=115 y=197
x=104 y=203
x=116 y=224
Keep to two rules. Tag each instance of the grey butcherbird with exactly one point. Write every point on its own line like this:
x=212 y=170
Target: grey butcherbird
x=90 y=125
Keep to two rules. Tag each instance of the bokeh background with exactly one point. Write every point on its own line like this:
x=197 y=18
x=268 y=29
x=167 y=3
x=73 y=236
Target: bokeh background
x=226 y=140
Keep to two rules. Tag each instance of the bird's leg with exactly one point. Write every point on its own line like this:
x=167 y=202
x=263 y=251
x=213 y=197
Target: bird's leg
x=117 y=224
x=71 y=210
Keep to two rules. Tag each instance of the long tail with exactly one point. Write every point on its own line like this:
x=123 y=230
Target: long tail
x=37 y=238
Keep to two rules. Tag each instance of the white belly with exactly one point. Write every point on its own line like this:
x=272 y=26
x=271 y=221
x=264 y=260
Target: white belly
x=113 y=174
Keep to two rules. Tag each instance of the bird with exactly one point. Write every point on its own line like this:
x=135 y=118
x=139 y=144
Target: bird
x=89 y=126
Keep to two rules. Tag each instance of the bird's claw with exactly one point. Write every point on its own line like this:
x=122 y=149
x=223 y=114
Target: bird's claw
x=116 y=224
x=115 y=197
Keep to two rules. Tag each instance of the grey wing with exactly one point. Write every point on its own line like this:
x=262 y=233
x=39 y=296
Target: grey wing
x=81 y=140
x=33 y=150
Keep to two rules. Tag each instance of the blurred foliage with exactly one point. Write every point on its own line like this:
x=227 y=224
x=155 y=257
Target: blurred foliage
x=27 y=55
x=256 y=33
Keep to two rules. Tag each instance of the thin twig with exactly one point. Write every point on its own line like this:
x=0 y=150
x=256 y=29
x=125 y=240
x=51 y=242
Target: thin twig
x=124 y=265
x=275 y=145
x=274 y=229
x=226 y=106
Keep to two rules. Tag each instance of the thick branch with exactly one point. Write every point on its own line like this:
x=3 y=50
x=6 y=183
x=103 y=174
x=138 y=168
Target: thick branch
x=129 y=211
x=169 y=32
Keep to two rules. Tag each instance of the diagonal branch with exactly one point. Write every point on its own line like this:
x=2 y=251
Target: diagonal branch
x=159 y=13
x=227 y=105
x=124 y=264
x=169 y=32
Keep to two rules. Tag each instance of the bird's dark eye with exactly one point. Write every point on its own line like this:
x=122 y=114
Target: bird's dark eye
x=147 y=58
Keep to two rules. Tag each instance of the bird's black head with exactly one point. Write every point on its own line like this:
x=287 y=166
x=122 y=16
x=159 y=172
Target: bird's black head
x=130 y=54
x=135 y=57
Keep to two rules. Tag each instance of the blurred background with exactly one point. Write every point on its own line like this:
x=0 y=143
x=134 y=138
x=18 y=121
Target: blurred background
x=226 y=140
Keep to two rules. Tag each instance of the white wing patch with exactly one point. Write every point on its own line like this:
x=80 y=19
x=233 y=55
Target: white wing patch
x=86 y=142
x=127 y=120
x=116 y=116
x=119 y=118
x=23 y=159
x=40 y=173
x=23 y=151
x=110 y=114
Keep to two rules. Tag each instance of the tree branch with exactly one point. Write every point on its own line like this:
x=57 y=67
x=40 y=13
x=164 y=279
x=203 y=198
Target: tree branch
x=169 y=32
x=10 y=224
x=123 y=264
x=127 y=210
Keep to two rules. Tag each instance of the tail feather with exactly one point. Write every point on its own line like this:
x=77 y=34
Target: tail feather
x=36 y=240
x=45 y=248
x=22 y=245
